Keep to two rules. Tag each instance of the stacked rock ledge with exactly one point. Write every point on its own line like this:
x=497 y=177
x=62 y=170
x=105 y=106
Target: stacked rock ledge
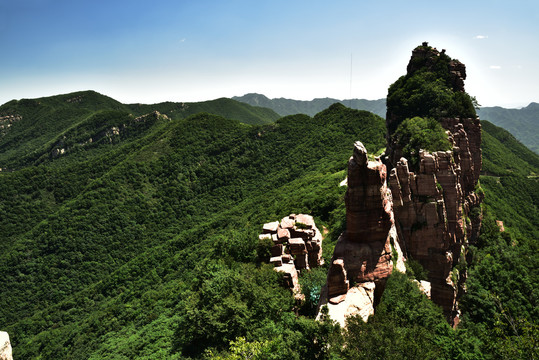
x=297 y=246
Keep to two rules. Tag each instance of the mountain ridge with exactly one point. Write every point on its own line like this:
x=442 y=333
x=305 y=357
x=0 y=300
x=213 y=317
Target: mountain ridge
x=29 y=127
x=284 y=106
x=521 y=122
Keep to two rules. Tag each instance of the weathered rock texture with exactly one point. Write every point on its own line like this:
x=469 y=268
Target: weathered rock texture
x=5 y=346
x=437 y=212
x=431 y=213
x=297 y=245
x=367 y=252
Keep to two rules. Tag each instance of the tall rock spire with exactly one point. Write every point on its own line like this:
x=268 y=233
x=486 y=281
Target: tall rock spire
x=368 y=251
x=439 y=212
x=427 y=207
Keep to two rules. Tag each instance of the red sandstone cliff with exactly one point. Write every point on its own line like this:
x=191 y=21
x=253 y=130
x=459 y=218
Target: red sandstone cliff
x=431 y=213
x=366 y=254
x=437 y=211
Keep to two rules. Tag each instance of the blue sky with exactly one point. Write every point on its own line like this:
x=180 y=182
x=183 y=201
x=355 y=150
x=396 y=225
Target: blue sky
x=160 y=50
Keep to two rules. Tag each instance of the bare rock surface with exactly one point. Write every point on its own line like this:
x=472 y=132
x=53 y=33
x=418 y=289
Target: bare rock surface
x=369 y=250
x=297 y=246
x=5 y=347
x=359 y=300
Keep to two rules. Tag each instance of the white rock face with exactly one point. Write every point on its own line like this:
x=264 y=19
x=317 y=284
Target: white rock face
x=359 y=300
x=5 y=346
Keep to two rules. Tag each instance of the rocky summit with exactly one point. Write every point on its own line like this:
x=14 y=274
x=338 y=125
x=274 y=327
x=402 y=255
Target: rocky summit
x=431 y=210
x=437 y=210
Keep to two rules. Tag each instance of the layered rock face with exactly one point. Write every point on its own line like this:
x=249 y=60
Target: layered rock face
x=5 y=346
x=297 y=245
x=437 y=212
x=366 y=254
x=431 y=212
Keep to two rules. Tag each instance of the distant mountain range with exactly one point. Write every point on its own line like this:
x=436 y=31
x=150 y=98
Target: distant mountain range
x=522 y=123
x=286 y=107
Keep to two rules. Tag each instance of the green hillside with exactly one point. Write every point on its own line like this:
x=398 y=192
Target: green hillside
x=145 y=241
x=522 y=123
x=31 y=129
x=39 y=121
x=144 y=245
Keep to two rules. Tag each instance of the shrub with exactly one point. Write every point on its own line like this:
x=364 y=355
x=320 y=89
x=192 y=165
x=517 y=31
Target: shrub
x=418 y=133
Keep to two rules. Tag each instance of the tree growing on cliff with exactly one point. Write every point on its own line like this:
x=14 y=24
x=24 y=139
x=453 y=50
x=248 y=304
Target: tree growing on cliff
x=428 y=89
x=418 y=133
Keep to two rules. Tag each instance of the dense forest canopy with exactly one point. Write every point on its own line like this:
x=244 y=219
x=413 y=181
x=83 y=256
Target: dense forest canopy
x=144 y=245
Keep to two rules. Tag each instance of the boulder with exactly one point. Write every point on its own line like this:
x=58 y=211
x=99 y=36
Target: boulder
x=287 y=222
x=359 y=300
x=277 y=250
x=5 y=347
x=337 y=282
x=276 y=261
x=270 y=227
x=305 y=220
x=283 y=234
x=301 y=261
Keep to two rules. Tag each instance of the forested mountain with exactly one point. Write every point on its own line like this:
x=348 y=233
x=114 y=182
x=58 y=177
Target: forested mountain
x=285 y=107
x=522 y=123
x=31 y=129
x=142 y=244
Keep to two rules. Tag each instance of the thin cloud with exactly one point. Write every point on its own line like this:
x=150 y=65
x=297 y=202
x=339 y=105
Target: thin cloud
x=495 y=67
x=481 y=37
x=182 y=40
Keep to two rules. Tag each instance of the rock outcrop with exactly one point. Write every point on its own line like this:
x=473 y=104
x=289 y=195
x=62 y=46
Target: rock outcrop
x=437 y=211
x=6 y=121
x=5 y=346
x=297 y=245
x=368 y=251
x=431 y=211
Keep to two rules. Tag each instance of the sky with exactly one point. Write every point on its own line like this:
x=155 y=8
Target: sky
x=196 y=50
